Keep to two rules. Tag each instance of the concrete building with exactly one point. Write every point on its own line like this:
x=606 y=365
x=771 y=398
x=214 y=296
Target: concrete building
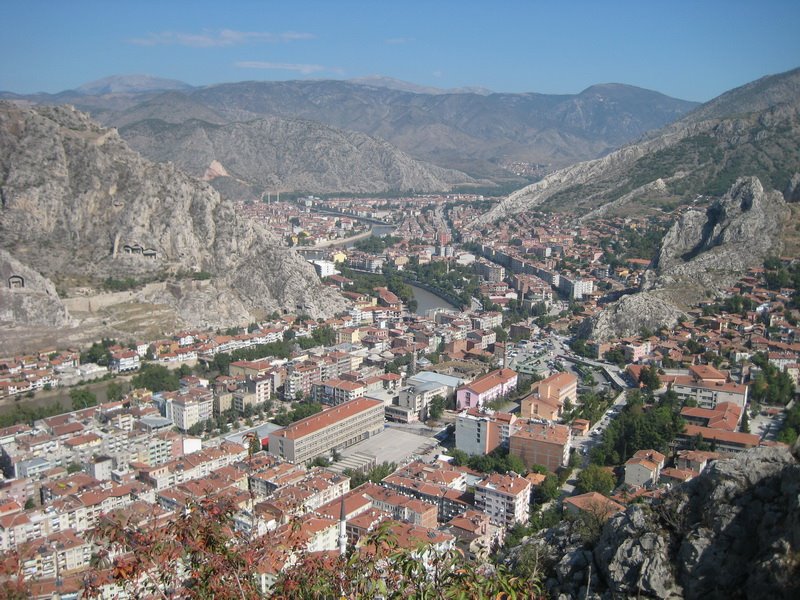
x=541 y=444
x=480 y=432
x=485 y=389
x=708 y=387
x=124 y=361
x=416 y=397
x=189 y=409
x=547 y=397
x=337 y=427
x=505 y=498
x=337 y=391
x=644 y=468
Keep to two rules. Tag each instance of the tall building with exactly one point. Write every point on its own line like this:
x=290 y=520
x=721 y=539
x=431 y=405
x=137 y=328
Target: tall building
x=541 y=444
x=505 y=498
x=479 y=432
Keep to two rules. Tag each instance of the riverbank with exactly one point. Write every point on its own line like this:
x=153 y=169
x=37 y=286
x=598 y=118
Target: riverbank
x=341 y=241
x=450 y=301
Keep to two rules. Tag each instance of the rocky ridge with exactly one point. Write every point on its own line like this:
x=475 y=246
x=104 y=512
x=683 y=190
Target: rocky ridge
x=472 y=131
x=749 y=131
x=283 y=154
x=704 y=252
x=78 y=206
x=733 y=532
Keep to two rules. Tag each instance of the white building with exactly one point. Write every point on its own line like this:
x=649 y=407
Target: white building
x=505 y=498
x=189 y=409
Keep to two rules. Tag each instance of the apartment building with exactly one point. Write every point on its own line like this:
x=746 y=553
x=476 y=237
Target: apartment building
x=337 y=391
x=190 y=408
x=336 y=427
x=708 y=387
x=541 y=444
x=480 y=432
x=505 y=498
x=484 y=389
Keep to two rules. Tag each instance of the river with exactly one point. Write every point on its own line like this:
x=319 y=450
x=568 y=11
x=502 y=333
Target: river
x=427 y=301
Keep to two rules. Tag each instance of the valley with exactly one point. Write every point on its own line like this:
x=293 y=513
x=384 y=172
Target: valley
x=285 y=304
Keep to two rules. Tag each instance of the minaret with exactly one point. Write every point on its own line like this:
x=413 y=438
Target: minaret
x=342 y=529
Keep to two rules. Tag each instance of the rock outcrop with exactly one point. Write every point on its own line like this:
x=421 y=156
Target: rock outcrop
x=704 y=252
x=27 y=297
x=631 y=315
x=79 y=206
x=733 y=532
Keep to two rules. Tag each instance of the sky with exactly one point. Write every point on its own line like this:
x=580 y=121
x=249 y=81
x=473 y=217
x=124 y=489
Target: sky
x=693 y=50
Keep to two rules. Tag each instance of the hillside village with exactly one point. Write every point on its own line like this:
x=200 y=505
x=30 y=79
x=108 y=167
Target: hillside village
x=466 y=428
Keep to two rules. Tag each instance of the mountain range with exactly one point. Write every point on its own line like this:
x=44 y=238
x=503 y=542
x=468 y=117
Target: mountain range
x=753 y=130
x=472 y=131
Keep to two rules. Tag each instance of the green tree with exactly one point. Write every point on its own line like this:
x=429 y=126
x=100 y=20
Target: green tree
x=745 y=425
x=99 y=353
x=550 y=488
x=437 y=406
x=82 y=398
x=501 y=335
x=116 y=391
x=648 y=377
x=156 y=378
x=375 y=475
x=595 y=479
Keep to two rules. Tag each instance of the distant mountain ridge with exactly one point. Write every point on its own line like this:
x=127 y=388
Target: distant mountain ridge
x=753 y=130
x=289 y=154
x=128 y=84
x=480 y=134
x=406 y=86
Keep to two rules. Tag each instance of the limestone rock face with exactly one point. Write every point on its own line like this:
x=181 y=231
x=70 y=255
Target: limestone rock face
x=78 y=205
x=735 y=232
x=792 y=191
x=704 y=252
x=27 y=297
x=630 y=315
x=733 y=532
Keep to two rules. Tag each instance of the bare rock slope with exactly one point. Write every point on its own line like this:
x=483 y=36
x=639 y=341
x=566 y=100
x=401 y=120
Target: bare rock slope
x=704 y=252
x=752 y=130
x=79 y=206
x=289 y=154
x=733 y=532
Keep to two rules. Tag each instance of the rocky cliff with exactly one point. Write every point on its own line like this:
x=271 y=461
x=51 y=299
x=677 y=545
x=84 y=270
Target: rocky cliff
x=79 y=206
x=704 y=252
x=289 y=154
x=733 y=532
x=750 y=131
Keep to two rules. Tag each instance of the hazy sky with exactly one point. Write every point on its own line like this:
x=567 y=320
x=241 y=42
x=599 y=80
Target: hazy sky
x=694 y=49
